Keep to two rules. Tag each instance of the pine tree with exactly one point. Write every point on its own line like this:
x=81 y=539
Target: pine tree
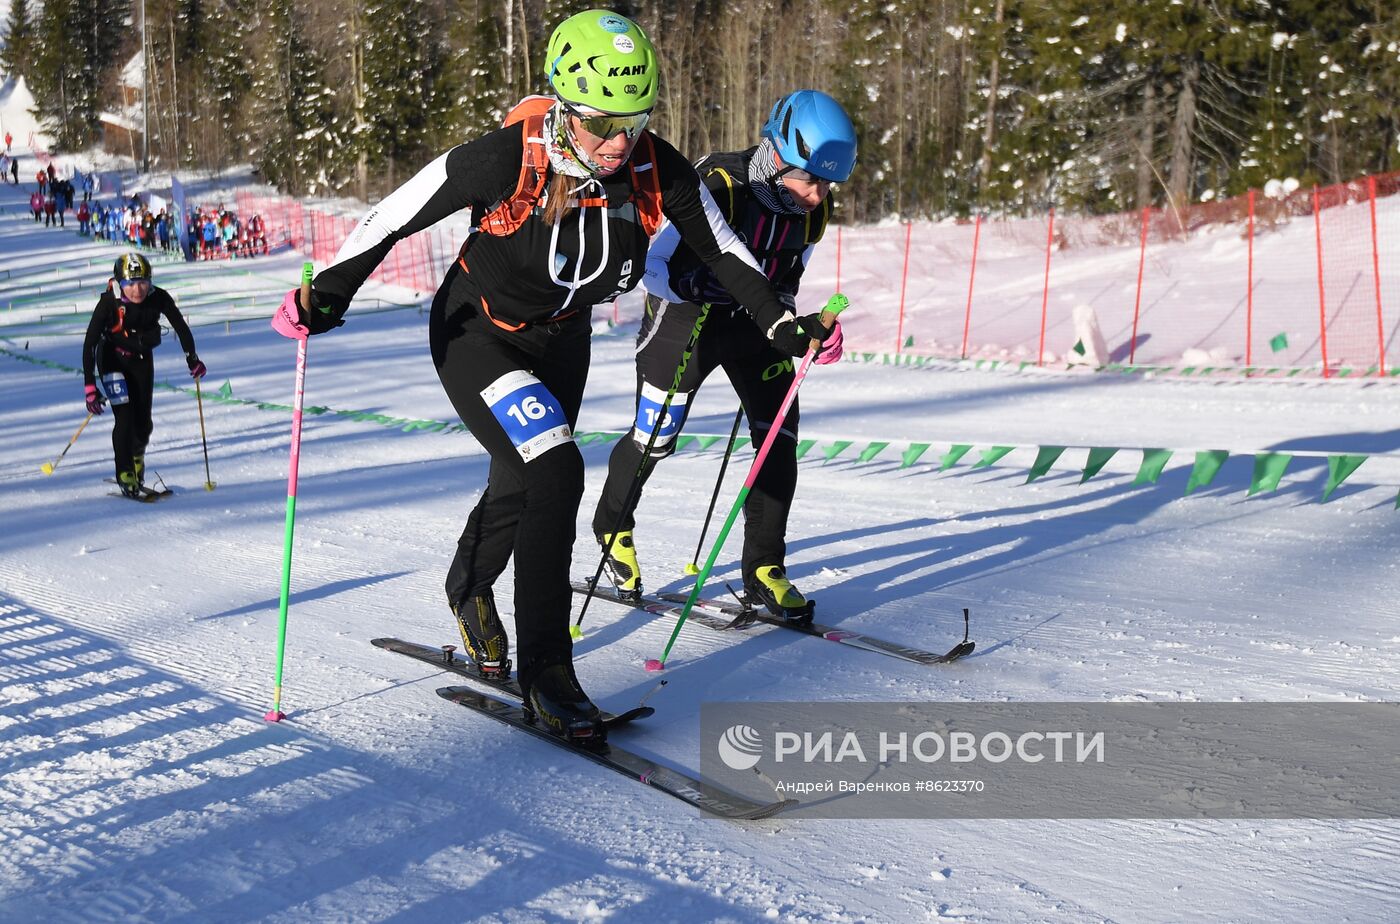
x=291 y=124
x=74 y=54
x=16 y=56
x=402 y=66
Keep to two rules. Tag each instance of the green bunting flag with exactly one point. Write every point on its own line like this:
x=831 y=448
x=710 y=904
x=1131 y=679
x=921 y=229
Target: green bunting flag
x=951 y=457
x=990 y=456
x=1153 y=461
x=871 y=451
x=804 y=446
x=1268 y=471
x=1339 y=468
x=1044 y=458
x=1279 y=342
x=1098 y=458
x=911 y=455
x=1207 y=466
x=836 y=449
x=226 y=390
x=1079 y=347
x=909 y=341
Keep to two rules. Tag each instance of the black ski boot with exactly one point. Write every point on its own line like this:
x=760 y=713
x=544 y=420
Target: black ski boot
x=622 y=566
x=554 y=698
x=138 y=465
x=483 y=636
x=770 y=588
x=130 y=485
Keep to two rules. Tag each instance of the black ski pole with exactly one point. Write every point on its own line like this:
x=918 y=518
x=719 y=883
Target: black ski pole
x=199 y=399
x=691 y=567
x=634 y=490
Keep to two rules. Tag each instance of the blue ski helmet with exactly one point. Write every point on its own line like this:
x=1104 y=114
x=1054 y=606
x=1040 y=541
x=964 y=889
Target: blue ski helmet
x=811 y=131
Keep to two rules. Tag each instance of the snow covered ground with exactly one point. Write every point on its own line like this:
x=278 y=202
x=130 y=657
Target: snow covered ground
x=140 y=782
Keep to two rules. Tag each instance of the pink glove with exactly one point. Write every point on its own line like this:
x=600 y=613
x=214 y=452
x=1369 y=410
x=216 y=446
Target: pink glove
x=287 y=320
x=94 y=400
x=831 y=349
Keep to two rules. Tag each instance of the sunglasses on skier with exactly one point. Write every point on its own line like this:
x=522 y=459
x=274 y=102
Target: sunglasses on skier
x=802 y=176
x=604 y=125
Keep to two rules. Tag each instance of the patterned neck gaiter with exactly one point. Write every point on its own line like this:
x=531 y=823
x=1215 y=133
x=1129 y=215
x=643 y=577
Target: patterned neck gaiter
x=767 y=187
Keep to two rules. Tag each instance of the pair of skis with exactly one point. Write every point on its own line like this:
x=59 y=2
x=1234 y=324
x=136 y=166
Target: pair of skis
x=504 y=705
x=505 y=702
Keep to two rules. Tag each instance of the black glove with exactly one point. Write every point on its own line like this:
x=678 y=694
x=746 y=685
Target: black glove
x=700 y=287
x=795 y=337
x=327 y=312
x=197 y=370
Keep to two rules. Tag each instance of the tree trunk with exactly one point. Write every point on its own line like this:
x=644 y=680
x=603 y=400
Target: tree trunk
x=989 y=130
x=1182 y=148
x=1146 y=143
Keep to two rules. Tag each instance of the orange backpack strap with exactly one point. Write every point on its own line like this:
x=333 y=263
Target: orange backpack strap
x=503 y=218
x=646 y=185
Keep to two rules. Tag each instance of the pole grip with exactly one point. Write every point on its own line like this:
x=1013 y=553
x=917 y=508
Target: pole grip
x=307 y=272
x=834 y=306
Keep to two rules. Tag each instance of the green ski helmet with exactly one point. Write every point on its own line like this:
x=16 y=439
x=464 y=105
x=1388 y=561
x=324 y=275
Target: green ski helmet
x=600 y=60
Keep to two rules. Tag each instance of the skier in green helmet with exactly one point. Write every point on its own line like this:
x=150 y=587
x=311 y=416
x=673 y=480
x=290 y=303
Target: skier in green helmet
x=564 y=199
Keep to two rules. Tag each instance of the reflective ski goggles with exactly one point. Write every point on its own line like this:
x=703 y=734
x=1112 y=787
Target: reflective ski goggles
x=604 y=125
x=802 y=176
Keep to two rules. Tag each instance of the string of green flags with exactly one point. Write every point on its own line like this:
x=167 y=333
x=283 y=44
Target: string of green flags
x=1268 y=470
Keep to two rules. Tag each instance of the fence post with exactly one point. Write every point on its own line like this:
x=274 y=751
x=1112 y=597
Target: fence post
x=1376 y=272
x=1137 y=301
x=971 y=276
x=1249 y=288
x=899 y=336
x=1321 y=291
x=1045 y=292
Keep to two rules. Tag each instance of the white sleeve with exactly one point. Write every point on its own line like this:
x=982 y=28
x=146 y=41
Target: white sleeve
x=657 y=278
x=393 y=215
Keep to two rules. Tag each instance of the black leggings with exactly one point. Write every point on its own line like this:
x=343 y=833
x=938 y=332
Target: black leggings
x=131 y=422
x=534 y=384
x=761 y=376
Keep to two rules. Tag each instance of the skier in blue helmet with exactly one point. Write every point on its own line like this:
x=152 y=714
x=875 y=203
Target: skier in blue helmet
x=777 y=197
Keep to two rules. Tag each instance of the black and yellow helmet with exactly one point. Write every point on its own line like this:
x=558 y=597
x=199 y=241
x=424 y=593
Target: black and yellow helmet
x=131 y=266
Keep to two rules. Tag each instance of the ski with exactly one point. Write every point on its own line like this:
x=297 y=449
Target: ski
x=689 y=789
x=147 y=495
x=722 y=615
x=447 y=658
x=657 y=606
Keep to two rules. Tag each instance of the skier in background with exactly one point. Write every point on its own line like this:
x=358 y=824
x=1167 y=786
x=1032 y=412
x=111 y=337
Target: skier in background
x=777 y=197
x=124 y=330
x=510 y=326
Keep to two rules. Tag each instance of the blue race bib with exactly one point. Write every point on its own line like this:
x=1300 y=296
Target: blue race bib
x=529 y=414
x=114 y=387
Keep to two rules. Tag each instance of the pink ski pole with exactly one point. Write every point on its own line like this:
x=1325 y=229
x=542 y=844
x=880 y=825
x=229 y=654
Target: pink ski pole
x=834 y=306
x=275 y=714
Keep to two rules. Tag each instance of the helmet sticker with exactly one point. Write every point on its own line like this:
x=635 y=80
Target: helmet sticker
x=624 y=44
x=614 y=24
